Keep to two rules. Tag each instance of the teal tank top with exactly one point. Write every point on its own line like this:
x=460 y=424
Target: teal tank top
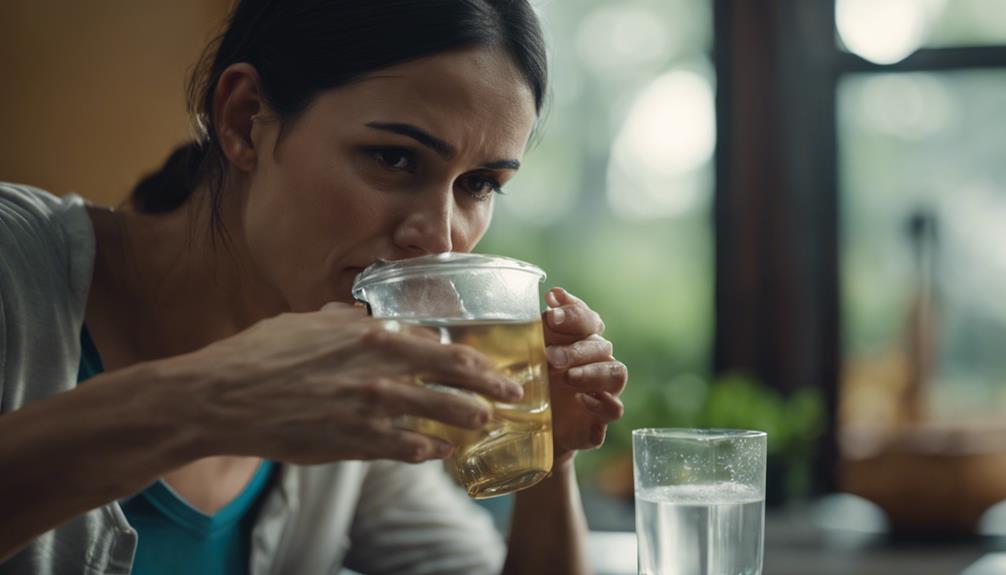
x=173 y=536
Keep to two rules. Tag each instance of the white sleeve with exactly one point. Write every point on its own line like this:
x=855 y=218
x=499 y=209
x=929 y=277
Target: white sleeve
x=3 y=344
x=412 y=520
x=46 y=250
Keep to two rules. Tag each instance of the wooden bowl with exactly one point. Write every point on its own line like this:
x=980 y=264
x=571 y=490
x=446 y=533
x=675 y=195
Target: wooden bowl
x=929 y=479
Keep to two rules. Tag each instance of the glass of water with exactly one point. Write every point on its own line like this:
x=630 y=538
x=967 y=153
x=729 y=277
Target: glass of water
x=700 y=501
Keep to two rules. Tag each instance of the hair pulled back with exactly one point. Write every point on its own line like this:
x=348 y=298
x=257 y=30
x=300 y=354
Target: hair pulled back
x=303 y=47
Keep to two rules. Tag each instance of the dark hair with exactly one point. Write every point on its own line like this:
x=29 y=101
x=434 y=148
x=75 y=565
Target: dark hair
x=303 y=47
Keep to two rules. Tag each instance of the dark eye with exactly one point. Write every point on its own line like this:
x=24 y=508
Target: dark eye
x=481 y=186
x=395 y=158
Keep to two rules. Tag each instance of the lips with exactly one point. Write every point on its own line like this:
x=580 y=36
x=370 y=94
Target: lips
x=360 y=268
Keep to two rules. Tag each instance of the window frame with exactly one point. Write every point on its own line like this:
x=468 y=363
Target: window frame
x=776 y=208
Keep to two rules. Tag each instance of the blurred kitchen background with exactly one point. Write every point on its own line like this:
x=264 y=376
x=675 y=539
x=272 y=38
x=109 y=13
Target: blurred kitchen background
x=790 y=213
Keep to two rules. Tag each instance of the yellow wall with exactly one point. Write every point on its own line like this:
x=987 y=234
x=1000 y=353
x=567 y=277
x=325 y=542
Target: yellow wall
x=92 y=92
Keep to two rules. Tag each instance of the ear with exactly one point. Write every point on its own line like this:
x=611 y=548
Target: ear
x=236 y=99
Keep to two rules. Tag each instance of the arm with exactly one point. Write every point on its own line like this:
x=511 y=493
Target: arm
x=302 y=388
x=548 y=532
x=81 y=449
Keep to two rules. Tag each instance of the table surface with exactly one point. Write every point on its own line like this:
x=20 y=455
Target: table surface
x=816 y=540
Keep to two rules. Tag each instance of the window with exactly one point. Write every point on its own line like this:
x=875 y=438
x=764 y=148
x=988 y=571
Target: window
x=851 y=146
x=923 y=187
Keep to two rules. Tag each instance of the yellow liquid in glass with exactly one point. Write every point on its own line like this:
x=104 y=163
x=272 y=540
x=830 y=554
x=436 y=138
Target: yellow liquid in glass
x=514 y=450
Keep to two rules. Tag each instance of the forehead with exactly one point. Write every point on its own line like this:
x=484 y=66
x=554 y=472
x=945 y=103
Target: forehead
x=475 y=99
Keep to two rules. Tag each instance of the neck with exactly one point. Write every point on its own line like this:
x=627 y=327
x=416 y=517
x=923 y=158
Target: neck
x=172 y=284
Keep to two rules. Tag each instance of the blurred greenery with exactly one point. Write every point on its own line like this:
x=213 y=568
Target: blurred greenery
x=649 y=272
x=934 y=139
x=650 y=278
x=734 y=401
x=905 y=140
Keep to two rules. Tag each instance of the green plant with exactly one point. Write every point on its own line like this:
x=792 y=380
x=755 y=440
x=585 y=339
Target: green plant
x=793 y=423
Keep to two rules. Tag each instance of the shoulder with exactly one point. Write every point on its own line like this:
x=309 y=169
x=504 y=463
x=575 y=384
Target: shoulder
x=25 y=200
x=44 y=235
x=28 y=214
x=46 y=256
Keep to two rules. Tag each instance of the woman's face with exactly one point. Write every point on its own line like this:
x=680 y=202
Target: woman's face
x=403 y=163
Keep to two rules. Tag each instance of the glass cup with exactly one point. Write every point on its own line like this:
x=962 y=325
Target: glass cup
x=492 y=304
x=700 y=501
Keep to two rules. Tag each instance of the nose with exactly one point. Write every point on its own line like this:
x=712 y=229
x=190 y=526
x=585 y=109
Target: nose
x=428 y=227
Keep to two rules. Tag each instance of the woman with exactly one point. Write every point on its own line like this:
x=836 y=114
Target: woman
x=215 y=316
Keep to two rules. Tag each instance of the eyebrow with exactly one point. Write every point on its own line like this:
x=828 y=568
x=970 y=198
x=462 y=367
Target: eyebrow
x=442 y=148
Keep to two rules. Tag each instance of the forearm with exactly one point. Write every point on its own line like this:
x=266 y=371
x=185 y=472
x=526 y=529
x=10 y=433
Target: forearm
x=78 y=450
x=548 y=531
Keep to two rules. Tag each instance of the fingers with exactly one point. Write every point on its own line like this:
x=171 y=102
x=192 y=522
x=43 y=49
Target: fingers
x=605 y=409
x=459 y=409
x=340 y=309
x=597 y=434
x=570 y=316
x=408 y=446
x=450 y=364
x=608 y=376
x=604 y=406
x=593 y=349
x=430 y=333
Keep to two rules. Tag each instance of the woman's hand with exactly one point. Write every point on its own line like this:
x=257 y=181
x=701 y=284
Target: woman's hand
x=584 y=377
x=324 y=386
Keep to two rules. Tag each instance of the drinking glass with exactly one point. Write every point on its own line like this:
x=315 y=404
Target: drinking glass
x=491 y=303
x=700 y=501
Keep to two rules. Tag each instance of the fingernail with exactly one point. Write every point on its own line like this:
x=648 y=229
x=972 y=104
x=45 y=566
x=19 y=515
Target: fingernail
x=575 y=373
x=443 y=449
x=558 y=316
x=556 y=356
x=514 y=390
x=552 y=299
x=510 y=389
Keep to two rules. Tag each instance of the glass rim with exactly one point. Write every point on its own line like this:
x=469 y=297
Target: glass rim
x=384 y=270
x=699 y=434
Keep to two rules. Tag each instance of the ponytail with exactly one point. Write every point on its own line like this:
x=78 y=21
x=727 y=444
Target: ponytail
x=167 y=188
